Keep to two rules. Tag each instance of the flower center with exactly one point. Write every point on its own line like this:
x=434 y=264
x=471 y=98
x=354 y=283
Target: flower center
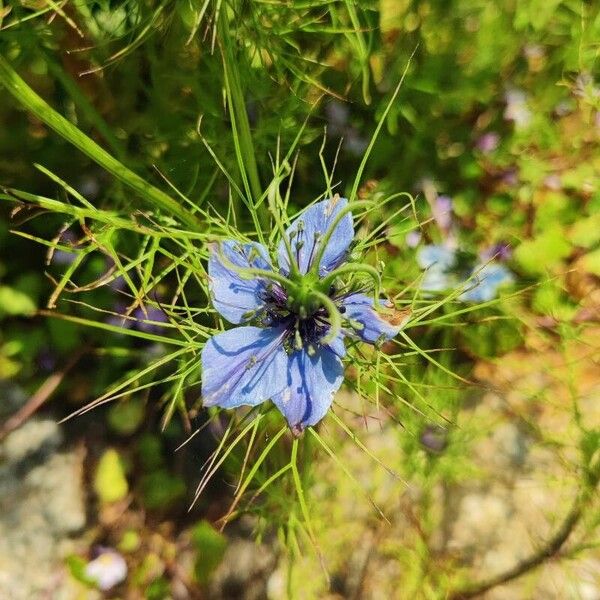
x=301 y=297
x=302 y=308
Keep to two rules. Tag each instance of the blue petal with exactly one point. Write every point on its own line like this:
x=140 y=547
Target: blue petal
x=439 y=256
x=485 y=281
x=232 y=295
x=376 y=325
x=311 y=225
x=311 y=383
x=436 y=280
x=245 y=365
x=337 y=346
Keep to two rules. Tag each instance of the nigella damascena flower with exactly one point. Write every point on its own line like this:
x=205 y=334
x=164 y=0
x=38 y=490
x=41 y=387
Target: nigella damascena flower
x=444 y=270
x=293 y=319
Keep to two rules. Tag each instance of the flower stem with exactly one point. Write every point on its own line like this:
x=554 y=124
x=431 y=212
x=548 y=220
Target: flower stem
x=244 y=146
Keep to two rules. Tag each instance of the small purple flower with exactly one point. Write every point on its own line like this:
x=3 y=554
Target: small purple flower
x=510 y=177
x=338 y=116
x=500 y=251
x=413 y=238
x=434 y=439
x=564 y=108
x=149 y=320
x=293 y=320
x=442 y=212
x=46 y=360
x=107 y=570
x=488 y=142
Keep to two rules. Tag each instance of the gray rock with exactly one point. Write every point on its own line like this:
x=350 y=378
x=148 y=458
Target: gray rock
x=37 y=436
x=41 y=504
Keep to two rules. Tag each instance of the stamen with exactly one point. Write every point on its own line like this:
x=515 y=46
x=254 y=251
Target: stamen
x=316 y=238
x=335 y=318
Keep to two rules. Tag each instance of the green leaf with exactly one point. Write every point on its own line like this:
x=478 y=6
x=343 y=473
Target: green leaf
x=150 y=452
x=391 y=14
x=161 y=489
x=14 y=303
x=549 y=299
x=125 y=417
x=492 y=338
x=77 y=565
x=586 y=233
x=210 y=546
x=130 y=541
x=546 y=250
x=110 y=483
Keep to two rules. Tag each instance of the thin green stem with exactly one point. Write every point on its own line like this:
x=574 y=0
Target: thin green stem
x=367 y=154
x=245 y=152
x=346 y=269
x=295 y=271
x=88 y=110
x=248 y=272
x=43 y=111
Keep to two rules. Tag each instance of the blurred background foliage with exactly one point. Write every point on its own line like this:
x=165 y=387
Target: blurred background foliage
x=499 y=110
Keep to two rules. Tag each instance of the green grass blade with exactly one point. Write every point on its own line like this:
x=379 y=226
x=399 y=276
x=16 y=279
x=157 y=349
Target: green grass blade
x=43 y=111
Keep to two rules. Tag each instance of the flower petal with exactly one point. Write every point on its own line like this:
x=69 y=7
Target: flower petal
x=312 y=224
x=436 y=255
x=337 y=346
x=485 y=281
x=377 y=325
x=437 y=280
x=232 y=295
x=311 y=383
x=245 y=365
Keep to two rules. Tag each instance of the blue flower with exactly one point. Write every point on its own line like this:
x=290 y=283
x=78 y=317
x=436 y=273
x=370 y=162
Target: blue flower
x=292 y=320
x=442 y=272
